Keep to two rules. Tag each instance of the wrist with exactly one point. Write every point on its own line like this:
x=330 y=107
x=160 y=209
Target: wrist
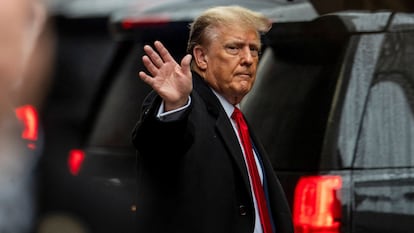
x=171 y=106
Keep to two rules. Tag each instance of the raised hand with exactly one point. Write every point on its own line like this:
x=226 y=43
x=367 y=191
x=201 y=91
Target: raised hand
x=172 y=81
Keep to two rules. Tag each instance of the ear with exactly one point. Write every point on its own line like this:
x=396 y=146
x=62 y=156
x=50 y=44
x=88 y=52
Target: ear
x=200 y=57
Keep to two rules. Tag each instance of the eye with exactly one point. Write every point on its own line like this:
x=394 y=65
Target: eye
x=254 y=51
x=232 y=49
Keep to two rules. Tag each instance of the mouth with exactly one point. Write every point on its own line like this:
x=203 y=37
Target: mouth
x=244 y=75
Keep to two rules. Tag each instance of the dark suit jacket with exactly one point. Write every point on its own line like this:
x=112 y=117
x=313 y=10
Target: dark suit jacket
x=191 y=173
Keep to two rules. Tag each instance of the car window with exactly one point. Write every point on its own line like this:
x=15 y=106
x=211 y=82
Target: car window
x=387 y=132
x=363 y=65
x=387 y=135
x=83 y=51
x=121 y=105
x=291 y=101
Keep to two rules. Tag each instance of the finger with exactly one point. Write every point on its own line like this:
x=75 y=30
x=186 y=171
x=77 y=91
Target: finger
x=146 y=78
x=185 y=63
x=165 y=55
x=148 y=63
x=155 y=58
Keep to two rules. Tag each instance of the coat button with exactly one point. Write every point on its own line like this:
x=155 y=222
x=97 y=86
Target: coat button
x=243 y=210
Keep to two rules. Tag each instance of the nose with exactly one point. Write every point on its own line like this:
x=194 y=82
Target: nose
x=246 y=56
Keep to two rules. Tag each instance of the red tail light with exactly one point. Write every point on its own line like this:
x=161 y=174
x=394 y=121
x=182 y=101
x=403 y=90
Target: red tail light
x=75 y=160
x=27 y=114
x=316 y=205
x=130 y=23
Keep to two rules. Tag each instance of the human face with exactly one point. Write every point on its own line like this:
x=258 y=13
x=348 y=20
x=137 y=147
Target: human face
x=231 y=60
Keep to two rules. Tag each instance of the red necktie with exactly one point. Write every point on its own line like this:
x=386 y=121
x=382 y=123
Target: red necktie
x=254 y=174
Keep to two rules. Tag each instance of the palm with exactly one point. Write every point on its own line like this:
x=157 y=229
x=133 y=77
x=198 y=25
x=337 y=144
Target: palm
x=173 y=82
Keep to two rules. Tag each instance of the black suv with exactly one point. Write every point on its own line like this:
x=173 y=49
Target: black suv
x=332 y=105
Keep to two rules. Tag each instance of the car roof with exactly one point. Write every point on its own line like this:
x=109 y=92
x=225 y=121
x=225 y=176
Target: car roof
x=85 y=8
x=187 y=10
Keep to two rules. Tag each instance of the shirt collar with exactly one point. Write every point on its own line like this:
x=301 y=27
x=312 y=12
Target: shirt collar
x=228 y=107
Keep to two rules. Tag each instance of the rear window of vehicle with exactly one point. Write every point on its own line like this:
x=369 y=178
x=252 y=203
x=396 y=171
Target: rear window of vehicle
x=387 y=132
x=291 y=102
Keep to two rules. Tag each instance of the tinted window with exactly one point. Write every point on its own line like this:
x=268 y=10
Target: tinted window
x=363 y=64
x=84 y=49
x=291 y=100
x=121 y=105
x=387 y=133
x=120 y=102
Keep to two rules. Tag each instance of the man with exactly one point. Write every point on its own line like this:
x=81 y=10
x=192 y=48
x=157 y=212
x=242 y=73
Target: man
x=195 y=171
x=22 y=23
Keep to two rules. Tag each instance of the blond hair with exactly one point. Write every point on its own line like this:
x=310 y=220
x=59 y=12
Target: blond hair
x=201 y=28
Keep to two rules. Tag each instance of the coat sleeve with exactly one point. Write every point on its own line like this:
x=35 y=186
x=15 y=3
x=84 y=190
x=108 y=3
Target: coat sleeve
x=152 y=137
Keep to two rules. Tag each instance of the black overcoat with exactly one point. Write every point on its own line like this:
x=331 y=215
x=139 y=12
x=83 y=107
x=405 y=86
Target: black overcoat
x=191 y=174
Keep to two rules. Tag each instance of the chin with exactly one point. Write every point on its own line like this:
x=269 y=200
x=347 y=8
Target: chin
x=245 y=89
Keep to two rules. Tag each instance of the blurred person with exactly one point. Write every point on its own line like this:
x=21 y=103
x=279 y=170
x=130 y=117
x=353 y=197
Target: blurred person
x=21 y=65
x=199 y=170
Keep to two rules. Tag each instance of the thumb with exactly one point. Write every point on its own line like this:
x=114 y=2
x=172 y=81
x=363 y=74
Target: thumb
x=185 y=63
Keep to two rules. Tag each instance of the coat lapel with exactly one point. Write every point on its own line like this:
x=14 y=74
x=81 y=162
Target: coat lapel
x=225 y=130
x=223 y=125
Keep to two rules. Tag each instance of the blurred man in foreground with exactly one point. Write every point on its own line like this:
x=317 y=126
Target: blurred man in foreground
x=23 y=64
